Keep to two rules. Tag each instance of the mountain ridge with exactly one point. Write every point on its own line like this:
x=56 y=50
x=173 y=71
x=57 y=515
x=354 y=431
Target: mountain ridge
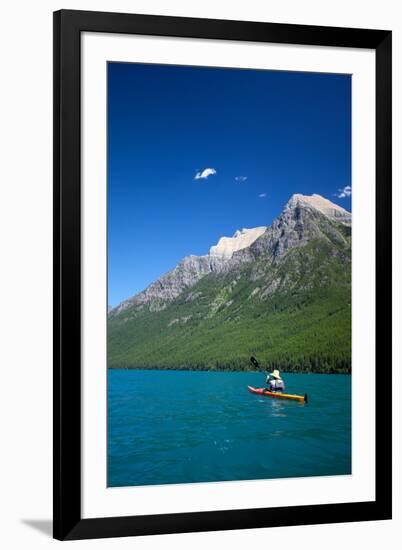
x=242 y=238
x=192 y=268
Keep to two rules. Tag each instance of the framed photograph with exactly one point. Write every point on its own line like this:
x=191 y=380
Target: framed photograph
x=222 y=275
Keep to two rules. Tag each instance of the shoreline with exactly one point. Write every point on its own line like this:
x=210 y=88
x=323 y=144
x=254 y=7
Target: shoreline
x=159 y=369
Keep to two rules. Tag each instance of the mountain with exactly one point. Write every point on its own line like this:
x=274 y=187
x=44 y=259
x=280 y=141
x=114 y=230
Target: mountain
x=282 y=293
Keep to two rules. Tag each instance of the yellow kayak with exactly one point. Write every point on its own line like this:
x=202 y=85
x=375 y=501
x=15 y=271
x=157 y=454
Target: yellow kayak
x=278 y=395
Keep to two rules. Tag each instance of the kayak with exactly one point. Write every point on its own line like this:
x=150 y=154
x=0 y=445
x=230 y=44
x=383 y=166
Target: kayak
x=278 y=395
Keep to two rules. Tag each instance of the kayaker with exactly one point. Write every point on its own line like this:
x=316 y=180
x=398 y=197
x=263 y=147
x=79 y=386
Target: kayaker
x=275 y=382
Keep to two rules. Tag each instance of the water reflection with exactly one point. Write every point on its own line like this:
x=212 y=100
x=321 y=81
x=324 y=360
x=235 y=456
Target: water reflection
x=278 y=409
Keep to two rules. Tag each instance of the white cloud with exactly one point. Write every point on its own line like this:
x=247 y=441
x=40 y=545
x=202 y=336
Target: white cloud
x=344 y=192
x=262 y=195
x=204 y=174
x=240 y=179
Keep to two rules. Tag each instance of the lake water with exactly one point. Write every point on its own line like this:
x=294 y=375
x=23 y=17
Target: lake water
x=187 y=427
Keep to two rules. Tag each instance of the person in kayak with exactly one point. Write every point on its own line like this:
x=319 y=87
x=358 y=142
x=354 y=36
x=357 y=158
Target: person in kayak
x=275 y=382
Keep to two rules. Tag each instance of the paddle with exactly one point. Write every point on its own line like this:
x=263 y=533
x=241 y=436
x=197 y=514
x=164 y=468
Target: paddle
x=255 y=363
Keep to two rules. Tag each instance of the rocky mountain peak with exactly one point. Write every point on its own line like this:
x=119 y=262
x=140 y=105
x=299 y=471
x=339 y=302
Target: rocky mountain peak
x=329 y=209
x=243 y=238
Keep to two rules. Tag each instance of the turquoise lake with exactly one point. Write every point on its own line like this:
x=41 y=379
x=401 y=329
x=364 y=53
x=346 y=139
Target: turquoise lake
x=191 y=426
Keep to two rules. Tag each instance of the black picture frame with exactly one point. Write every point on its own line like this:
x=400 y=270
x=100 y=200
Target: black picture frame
x=68 y=26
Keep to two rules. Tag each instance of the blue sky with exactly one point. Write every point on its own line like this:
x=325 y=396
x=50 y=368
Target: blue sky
x=196 y=153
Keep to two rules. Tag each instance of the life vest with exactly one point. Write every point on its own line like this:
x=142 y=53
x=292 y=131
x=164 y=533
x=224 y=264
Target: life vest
x=276 y=384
